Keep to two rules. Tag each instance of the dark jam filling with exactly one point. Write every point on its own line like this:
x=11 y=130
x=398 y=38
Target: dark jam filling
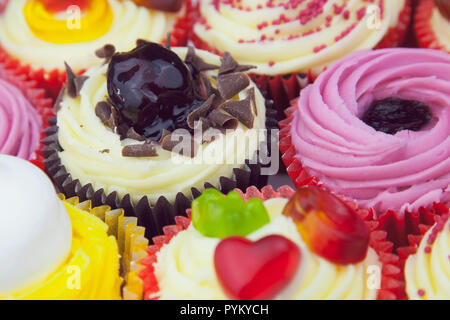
x=152 y=89
x=392 y=115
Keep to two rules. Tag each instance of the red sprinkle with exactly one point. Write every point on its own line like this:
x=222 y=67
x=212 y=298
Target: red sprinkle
x=421 y=292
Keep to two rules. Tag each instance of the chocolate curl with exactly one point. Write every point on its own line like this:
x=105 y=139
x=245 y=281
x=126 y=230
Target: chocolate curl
x=181 y=142
x=57 y=104
x=241 y=110
x=205 y=87
x=163 y=135
x=140 y=42
x=163 y=5
x=231 y=84
x=107 y=114
x=229 y=65
x=201 y=111
x=132 y=134
x=223 y=120
x=146 y=149
x=196 y=62
x=106 y=52
x=74 y=83
x=444 y=8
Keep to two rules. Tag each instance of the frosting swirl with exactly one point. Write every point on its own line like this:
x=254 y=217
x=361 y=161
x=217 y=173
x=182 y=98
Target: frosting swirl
x=47 y=45
x=83 y=136
x=294 y=36
x=427 y=273
x=185 y=266
x=402 y=171
x=20 y=124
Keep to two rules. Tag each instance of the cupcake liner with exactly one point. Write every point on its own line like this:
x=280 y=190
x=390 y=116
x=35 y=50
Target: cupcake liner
x=130 y=239
x=162 y=213
x=52 y=80
x=35 y=95
x=422 y=25
x=396 y=36
x=284 y=88
x=391 y=285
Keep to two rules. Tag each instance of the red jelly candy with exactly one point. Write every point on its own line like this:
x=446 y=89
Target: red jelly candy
x=256 y=270
x=330 y=228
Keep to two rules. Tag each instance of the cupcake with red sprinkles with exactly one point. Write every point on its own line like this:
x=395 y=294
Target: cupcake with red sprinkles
x=432 y=24
x=285 y=244
x=288 y=40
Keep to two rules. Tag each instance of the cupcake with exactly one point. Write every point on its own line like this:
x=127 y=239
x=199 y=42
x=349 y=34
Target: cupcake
x=375 y=128
x=432 y=22
x=263 y=245
x=37 y=36
x=24 y=111
x=149 y=145
x=60 y=249
x=296 y=37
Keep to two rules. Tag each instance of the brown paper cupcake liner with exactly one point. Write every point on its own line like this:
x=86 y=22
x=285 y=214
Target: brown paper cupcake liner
x=391 y=286
x=162 y=213
x=131 y=241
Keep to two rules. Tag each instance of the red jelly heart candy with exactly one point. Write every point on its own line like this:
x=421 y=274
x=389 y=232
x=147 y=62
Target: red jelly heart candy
x=256 y=270
x=329 y=227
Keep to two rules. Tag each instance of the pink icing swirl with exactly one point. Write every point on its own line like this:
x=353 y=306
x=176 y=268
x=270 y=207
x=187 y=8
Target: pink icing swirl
x=402 y=171
x=20 y=124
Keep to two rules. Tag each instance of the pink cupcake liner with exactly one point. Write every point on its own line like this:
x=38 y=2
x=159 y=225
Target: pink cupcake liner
x=392 y=286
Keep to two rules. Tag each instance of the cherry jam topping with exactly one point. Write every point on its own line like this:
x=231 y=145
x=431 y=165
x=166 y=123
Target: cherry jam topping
x=392 y=115
x=152 y=89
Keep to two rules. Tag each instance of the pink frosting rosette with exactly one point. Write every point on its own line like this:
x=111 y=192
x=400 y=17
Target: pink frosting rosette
x=325 y=137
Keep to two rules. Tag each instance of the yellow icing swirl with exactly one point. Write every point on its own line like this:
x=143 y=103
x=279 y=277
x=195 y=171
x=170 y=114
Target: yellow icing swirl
x=185 y=267
x=92 y=24
x=90 y=272
x=427 y=274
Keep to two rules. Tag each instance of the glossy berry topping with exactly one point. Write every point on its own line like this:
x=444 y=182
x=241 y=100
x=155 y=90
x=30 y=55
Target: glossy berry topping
x=218 y=216
x=392 y=115
x=62 y=5
x=152 y=88
x=329 y=227
x=256 y=270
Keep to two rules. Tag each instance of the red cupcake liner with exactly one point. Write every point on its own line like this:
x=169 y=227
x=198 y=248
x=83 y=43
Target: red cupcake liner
x=396 y=36
x=409 y=230
x=284 y=88
x=52 y=81
x=35 y=95
x=422 y=25
x=391 y=287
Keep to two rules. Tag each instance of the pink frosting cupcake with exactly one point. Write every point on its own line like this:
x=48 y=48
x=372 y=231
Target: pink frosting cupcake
x=375 y=129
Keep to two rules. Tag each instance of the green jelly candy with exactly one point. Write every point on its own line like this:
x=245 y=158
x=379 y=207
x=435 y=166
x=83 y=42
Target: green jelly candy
x=218 y=216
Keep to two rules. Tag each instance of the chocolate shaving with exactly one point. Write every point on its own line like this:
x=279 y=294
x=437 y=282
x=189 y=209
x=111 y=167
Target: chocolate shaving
x=106 y=52
x=223 y=120
x=182 y=144
x=168 y=38
x=201 y=111
x=107 y=114
x=205 y=87
x=140 y=42
x=57 y=104
x=231 y=84
x=229 y=65
x=104 y=151
x=146 y=149
x=251 y=94
x=132 y=134
x=164 y=5
x=163 y=134
x=241 y=110
x=198 y=63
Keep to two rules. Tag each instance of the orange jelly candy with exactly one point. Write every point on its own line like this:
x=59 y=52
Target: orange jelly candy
x=329 y=227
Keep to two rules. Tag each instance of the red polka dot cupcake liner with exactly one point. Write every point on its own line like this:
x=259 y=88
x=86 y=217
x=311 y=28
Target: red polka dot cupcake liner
x=34 y=93
x=52 y=80
x=284 y=88
x=391 y=285
x=422 y=24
